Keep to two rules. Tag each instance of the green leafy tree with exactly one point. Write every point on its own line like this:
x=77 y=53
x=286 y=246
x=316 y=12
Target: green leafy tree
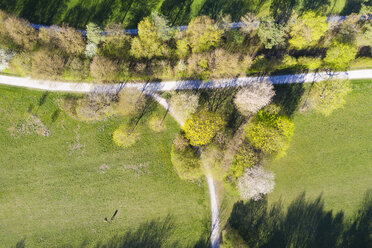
x=245 y=157
x=202 y=127
x=307 y=30
x=339 y=56
x=116 y=45
x=94 y=33
x=164 y=31
x=270 y=132
x=148 y=44
x=326 y=96
x=271 y=33
x=203 y=34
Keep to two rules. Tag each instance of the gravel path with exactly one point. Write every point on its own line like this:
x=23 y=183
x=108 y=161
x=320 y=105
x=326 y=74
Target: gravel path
x=178 y=85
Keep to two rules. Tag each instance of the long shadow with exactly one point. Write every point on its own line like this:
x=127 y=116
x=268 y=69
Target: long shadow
x=282 y=10
x=288 y=97
x=315 y=5
x=306 y=223
x=177 y=11
x=352 y=6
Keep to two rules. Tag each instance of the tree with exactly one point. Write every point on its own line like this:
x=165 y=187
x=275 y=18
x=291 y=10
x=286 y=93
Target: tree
x=148 y=44
x=164 y=31
x=104 y=69
x=245 y=157
x=47 y=64
x=252 y=98
x=185 y=159
x=203 y=34
x=116 y=45
x=95 y=107
x=255 y=183
x=223 y=64
x=94 y=35
x=269 y=132
x=131 y=101
x=339 y=56
x=21 y=32
x=307 y=30
x=271 y=33
x=326 y=96
x=184 y=104
x=250 y=23
x=349 y=29
x=202 y=127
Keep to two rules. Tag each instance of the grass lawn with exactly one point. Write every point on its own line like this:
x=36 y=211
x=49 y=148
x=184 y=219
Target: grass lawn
x=51 y=194
x=330 y=155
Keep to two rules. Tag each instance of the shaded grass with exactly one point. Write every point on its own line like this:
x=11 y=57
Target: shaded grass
x=329 y=155
x=53 y=196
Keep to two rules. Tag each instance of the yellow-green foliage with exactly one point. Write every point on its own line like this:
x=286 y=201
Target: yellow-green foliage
x=125 y=137
x=202 y=127
x=186 y=163
x=339 y=56
x=116 y=46
x=148 y=44
x=21 y=64
x=246 y=157
x=326 y=96
x=270 y=132
x=310 y=62
x=156 y=124
x=308 y=29
x=203 y=34
x=183 y=48
x=288 y=61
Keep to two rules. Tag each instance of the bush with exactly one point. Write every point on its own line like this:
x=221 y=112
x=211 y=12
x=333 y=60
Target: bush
x=131 y=101
x=269 y=132
x=65 y=38
x=116 y=44
x=202 y=127
x=307 y=30
x=21 y=64
x=326 y=96
x=340 y=55
x=310 y=63
x=124 y=137
x=156 y=124
x=183 y=48
x=184 y=104
x=255 y=183
x=104 y=69
x=203 y=34
x=95 y=107
x=271 y=34
x=21 y=32
x=147 y=44
x=186 y=163
x=255 y=96
x=77 y=69
x=47 y=64
x=246 y=157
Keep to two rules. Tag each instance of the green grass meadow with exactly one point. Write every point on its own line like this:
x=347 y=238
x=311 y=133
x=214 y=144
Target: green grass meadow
x=52 y=195
x=329 y=155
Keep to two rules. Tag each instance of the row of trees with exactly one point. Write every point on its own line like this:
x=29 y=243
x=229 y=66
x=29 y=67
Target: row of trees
x=206 y=49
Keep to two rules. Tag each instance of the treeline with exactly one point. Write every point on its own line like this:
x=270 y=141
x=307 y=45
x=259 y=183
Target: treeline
x=179 y=12
x=206 y=49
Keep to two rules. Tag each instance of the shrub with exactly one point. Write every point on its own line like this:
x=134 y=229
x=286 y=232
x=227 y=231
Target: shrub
x=246 y=157
x=310 y=63
x=186 y=163
x=307 y=30
x=116 y=44
x=269 y=132
x=255 y=183
x=203 y=34
x=104 y=69
x=21 y=32
x=271 y=34
x=21 y=64
x=255 y=96
x=47 y=64
x=147 y=44
x=156 y=124
x=340 y=55
x=95 y=107
x=180 y=142
x=326 y=96
x=202 y=127
x=183 y=48
x=131 y=101
x=184 y=104
x=288 y=61
x=77 y=68
x=124 y=137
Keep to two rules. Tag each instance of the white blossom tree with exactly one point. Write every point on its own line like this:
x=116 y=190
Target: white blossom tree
x=255 y=183
x=251 y=99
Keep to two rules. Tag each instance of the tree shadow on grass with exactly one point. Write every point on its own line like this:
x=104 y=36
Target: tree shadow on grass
x=304 y=224
x=288 y=97
x=352 y=6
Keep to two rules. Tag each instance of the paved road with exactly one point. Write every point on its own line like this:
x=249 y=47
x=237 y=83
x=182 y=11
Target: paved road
x=179 y=85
